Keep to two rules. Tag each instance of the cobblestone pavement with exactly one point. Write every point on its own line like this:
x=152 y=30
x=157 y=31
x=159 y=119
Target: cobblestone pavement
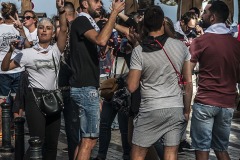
x=115 y=150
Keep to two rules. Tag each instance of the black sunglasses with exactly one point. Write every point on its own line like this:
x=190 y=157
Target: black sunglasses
x=27 y=17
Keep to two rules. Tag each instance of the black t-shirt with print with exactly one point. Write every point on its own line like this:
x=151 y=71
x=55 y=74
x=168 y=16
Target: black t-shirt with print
x=84 y=56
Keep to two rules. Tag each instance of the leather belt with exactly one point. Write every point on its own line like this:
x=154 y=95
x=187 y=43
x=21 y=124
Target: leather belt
x=38 y=90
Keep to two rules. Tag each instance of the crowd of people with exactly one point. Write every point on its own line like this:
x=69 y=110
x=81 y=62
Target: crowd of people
x=156 y=64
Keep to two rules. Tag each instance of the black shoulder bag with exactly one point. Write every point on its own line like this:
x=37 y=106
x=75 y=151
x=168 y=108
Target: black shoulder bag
x=50 y=102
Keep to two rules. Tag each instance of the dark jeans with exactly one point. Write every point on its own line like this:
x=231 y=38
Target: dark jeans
x=46 y=128
x=107 y=116
x=71 y=123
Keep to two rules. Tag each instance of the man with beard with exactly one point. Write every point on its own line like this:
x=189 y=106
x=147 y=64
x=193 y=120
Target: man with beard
x=84 y=38
x=218 y=55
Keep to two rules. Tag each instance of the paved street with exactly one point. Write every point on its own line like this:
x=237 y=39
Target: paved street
x=115 y=150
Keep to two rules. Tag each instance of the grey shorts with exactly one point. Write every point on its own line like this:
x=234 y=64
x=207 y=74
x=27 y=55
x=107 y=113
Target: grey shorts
x=167 y=124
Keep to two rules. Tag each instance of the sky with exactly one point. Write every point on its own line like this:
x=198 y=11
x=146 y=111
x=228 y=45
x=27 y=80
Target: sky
x=48 y=6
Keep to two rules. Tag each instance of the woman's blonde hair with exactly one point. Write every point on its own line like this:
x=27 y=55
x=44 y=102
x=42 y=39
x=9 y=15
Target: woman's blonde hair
x=46 y=20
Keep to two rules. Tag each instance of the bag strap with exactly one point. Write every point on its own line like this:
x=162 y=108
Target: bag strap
x=33 y=93
x=115 y=68
x=36 y=99
x=124 y=63
x=116 y=59
x=178 y=73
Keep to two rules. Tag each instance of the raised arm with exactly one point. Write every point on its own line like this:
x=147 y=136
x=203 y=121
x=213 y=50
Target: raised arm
x=62 y=37
x=102 y=38
x=122 y=29
x=7 y=63
x=123 y=16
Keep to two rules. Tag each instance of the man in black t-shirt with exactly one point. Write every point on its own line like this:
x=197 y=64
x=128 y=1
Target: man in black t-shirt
x=84 y=38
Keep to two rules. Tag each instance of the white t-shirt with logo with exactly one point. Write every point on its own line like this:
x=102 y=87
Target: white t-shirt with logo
x=40 y=66
x=7 y=34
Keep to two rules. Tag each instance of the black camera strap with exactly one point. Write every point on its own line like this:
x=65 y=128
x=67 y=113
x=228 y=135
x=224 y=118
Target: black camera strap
x=115 y=69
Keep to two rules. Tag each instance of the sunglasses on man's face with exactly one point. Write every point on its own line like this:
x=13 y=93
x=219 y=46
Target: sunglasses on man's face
x=27 y=17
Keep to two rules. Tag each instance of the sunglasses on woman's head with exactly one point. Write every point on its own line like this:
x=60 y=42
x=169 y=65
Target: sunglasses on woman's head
x=27 y=17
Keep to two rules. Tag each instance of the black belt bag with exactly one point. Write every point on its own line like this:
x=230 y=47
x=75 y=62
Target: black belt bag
x=49 y=102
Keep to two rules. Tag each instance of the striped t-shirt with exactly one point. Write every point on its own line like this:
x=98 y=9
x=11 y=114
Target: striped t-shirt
x=159 y=82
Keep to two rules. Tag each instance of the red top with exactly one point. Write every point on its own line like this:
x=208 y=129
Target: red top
x=219 y=59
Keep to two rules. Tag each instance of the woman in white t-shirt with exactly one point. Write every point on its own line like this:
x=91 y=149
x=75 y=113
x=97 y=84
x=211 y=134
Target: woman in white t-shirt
x=39 y=62
x=30 y=21
x=9 y=80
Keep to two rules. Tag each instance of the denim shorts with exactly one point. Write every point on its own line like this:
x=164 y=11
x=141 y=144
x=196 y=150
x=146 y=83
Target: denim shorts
x=87 y=101
x=9 y=84
x=210 y=127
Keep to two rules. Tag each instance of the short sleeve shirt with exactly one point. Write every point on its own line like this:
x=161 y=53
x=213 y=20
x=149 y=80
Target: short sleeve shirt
x=159 y=82
x=40 y=66
x=7 y=34
x=84 y=55
x=219 y=58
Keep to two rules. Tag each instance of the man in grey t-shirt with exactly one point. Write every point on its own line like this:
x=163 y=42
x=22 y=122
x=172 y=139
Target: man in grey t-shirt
x=164 y=109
